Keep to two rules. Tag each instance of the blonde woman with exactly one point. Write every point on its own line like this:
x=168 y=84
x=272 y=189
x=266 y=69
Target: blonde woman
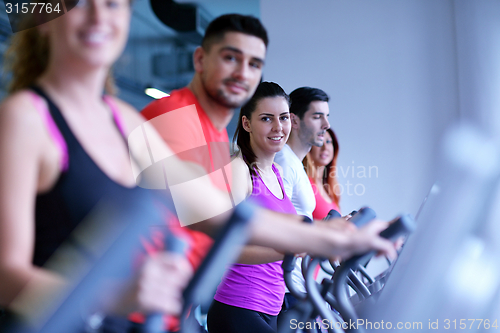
x=63 y=149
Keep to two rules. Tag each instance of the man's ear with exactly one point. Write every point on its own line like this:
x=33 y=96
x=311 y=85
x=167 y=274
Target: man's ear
x=246 y=124
x=295 y=121
x=198 y=57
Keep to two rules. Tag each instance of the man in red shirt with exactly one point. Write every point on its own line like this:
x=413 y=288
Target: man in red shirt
x=193 y=120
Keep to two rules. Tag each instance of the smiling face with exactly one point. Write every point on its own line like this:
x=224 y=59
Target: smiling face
x=269 y=125
x=314 y=123
x=231 y=69
x=94 y=32
x=322 y=156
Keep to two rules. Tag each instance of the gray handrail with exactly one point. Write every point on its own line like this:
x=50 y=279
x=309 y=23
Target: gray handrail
x=402 y=226
x=316 y=298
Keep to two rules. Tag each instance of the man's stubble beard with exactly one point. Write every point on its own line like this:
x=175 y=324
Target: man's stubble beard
x=306 y=134
x=222 y=99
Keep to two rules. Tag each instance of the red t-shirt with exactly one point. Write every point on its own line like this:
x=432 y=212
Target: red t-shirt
x=188 y=131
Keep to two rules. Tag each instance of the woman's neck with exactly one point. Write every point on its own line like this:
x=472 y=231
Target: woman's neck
x=70 y=82
x=318 y=176
x=263 y=160
x=264 y=165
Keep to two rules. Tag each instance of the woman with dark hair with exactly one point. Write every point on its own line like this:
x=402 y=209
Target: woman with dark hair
x=321 y=167
x=250 y=296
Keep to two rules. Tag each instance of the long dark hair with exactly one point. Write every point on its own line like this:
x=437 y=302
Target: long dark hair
x=241 y=136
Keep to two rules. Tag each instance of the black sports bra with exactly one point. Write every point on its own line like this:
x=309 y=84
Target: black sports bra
x=77 y=191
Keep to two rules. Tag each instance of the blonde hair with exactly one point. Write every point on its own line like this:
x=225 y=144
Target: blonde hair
x=28 y=56
x=329 y=179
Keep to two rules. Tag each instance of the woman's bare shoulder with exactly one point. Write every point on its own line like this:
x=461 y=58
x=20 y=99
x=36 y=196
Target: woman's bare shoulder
x=237 y=159
x=19 y=101
x=19 y=113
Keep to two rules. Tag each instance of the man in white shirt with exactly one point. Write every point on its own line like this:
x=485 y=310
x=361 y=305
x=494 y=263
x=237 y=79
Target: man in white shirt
x=309 y=113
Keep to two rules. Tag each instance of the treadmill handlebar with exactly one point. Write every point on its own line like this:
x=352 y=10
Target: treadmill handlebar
x=332 y=214
x=363 y=216
x=404 y=225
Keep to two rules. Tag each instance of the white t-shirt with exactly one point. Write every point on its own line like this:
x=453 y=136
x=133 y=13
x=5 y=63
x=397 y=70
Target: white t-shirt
x=299 y=190
x=297 y=185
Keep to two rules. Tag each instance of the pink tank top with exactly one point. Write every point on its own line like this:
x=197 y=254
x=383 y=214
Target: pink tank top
x=257 y=287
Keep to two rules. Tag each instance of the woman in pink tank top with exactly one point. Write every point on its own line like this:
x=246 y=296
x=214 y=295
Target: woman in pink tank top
x=321 y=167
x=250 y=296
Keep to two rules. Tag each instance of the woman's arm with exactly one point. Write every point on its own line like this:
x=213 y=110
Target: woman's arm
x=241 y=184
x=284 y=233
x=323 y=239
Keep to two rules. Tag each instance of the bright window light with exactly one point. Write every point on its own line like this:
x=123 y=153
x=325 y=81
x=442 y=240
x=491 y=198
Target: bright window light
x=155 y=93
